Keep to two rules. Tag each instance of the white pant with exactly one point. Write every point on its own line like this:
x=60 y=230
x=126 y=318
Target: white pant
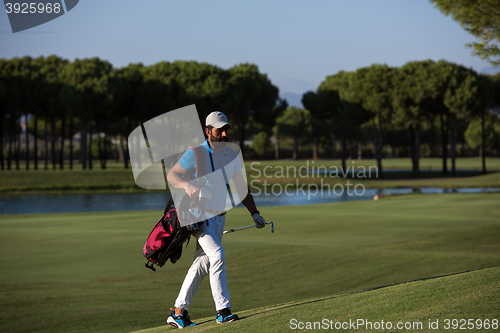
x=208 y=258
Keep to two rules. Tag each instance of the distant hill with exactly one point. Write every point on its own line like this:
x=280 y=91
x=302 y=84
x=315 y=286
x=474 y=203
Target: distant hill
x=293 y=99
x=490 y=70
x=292 y=90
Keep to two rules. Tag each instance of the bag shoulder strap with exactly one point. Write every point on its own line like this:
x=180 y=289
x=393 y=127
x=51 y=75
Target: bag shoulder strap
x=199 y=156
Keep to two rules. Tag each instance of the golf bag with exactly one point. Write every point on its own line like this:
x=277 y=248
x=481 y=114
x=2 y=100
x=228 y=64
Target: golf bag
x=167 y=237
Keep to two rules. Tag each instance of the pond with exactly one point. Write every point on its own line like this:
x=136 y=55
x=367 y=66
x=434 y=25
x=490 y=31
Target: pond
x=65 y=203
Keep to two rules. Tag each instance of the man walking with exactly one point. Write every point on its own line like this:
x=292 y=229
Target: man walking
x=209 y=258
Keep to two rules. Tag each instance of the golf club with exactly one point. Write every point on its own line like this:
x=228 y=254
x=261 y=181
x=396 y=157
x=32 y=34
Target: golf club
x=250 y=226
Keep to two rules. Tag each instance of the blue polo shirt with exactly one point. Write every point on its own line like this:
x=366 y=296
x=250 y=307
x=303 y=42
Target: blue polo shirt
x=219 y=169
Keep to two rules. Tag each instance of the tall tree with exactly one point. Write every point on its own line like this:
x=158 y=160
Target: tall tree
x=17 y=74
x=3 y=93
x=4 y=99
x=159 y=91
x=248 y=93
x=127 y=87
x=415 y=96
x=294 y=123
x=201 y=84
x=86 y=91
x=261 y=143
x=48 y=102
x=51 y=69
x=446 y=76
x=322 y=107
x=372 y=87
x=467 y=96
x=267 y=121
x=483 y=103
x=347 y=113
x=481 y=18
x=475 y=135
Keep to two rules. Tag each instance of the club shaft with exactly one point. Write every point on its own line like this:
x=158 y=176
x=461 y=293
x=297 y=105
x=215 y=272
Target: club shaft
x=250 y=226
x=233 y=230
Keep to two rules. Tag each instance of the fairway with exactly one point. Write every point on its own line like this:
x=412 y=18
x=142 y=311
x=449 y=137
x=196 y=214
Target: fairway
x=85 y=272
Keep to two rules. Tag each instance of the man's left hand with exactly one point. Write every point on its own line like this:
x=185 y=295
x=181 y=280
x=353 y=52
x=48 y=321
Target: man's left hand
x=259 y=221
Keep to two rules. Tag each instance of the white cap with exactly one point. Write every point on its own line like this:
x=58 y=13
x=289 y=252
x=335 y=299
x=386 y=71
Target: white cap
x=217 y=119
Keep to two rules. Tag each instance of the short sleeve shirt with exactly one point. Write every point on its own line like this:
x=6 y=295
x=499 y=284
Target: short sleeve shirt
x=217 y=181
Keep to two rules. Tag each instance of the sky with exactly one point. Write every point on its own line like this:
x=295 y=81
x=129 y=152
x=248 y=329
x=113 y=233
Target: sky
x=297 y=43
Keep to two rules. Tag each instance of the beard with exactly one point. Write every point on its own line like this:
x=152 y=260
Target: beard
x=218 y=143
x=218 y=139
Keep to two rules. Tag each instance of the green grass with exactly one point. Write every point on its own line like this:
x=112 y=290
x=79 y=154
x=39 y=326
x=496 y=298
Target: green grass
x=492 y=163
x=59 y=181
x=470 y=295
x=116 y=179
x=85 y=272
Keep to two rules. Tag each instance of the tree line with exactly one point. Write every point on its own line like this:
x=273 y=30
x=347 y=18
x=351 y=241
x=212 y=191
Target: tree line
x=389 y=107
x=89 y=97
x=397 y=103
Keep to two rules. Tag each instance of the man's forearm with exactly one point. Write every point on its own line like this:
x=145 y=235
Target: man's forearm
x=250 y=205
x=249 y=202
x=175 y=179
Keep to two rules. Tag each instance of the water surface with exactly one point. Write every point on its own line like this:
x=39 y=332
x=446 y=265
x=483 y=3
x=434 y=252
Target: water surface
x=65 y=203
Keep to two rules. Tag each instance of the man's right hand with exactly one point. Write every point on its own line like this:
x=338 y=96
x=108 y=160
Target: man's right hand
x=259 y=220
x=192 y=190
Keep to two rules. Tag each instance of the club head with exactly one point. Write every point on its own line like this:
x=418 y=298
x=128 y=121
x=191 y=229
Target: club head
x=272 y=227
x=205 y=195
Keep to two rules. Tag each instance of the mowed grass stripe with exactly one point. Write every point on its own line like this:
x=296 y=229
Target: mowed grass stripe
x=85 y=271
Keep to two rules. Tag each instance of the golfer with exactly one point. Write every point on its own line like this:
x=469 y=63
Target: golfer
x=209 y=257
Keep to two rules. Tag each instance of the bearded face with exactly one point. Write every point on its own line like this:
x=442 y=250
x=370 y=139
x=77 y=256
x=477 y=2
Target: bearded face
x=218 y=134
